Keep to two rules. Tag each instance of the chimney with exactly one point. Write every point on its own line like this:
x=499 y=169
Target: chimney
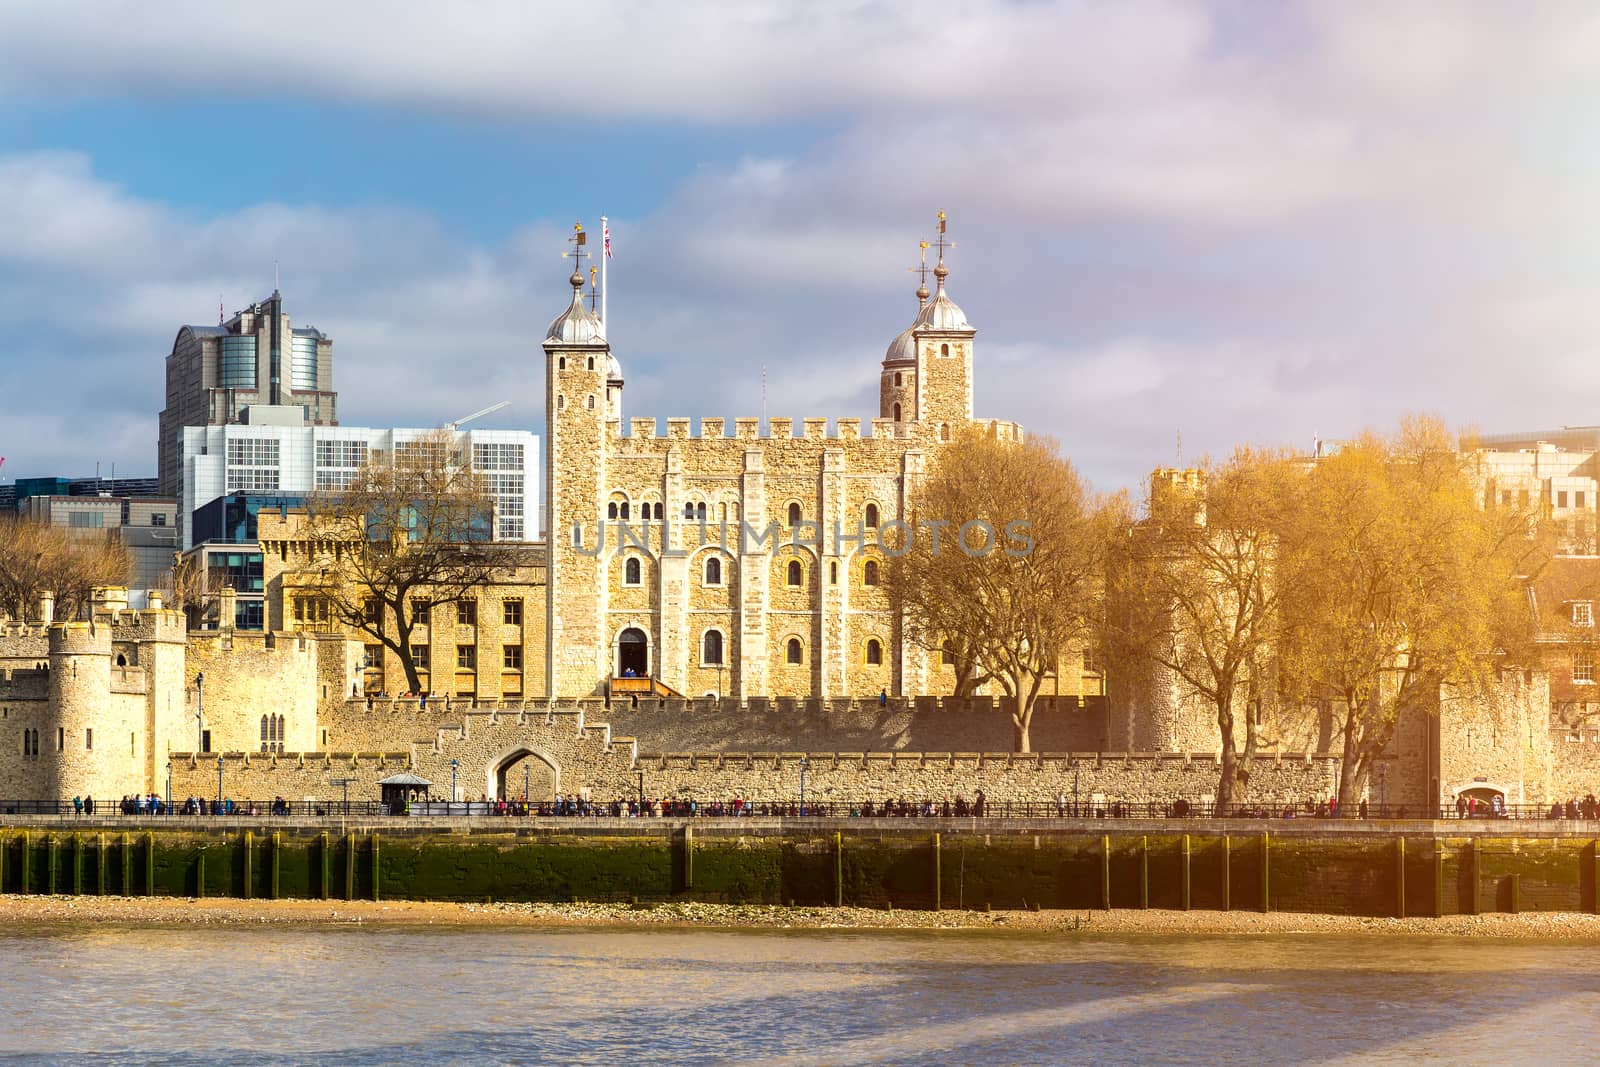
x=47 y=607
x=153 y=602
x=230 y=604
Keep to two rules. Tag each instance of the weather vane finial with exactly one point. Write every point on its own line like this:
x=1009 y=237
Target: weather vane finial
x=579 y=242
x=921 y=271
x=593 y=295
x=940 y=271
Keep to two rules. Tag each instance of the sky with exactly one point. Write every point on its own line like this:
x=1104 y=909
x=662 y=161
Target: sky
x=1179 y=226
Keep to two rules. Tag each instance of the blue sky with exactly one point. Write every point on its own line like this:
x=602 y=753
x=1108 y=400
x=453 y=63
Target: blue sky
x=1234 y=222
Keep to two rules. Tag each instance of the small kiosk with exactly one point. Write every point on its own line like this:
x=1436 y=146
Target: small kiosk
x=398 y=790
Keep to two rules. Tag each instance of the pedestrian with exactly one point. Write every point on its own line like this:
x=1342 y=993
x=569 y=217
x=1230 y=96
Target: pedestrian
x=883 y=698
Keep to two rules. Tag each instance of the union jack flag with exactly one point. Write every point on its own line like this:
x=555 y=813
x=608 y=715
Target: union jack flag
x=605 y=235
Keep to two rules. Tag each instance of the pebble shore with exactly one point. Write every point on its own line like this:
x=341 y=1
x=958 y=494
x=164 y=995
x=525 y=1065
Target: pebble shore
x=177 y=911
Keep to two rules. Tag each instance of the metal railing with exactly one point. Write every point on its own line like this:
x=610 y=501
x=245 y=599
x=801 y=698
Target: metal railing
x=678 y=808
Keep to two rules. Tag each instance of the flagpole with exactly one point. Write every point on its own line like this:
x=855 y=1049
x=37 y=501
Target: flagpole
x=605 y=254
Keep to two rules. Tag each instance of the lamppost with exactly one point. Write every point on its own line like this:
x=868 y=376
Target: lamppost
x=219 y=779
x=527 y=777
x=804 y=763
x=641 y=793
x=200 y=711
x=719 y=681
x=1074 y=789
x=169 y=787
x=454 y=765
x=1383 y=776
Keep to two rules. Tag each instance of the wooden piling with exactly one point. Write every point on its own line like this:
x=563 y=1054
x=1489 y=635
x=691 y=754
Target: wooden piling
x=1227 y=862
x=1144 y=872
x=1266 y=866
x=1105 y=871
x=1400 y=878
x=1184 y=883
x=938 y=879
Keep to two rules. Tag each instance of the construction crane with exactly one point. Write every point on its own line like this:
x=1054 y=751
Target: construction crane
x=490 y=410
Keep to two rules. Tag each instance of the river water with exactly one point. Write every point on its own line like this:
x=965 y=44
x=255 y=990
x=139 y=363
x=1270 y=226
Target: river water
x=124 y=995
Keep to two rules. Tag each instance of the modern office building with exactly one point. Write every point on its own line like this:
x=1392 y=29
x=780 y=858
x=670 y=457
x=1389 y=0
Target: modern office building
x=256 y=368
x=231 y=472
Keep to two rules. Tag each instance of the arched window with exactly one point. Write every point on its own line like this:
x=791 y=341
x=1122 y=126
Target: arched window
x=561 y=364
x=561 y=402
x=869 y=573
x=793 y=653
x=591 y=358
x=266 y=731
x=700 y=510
x=591 y=401
x=944 y=350
x=713 y=571
x=794 y=514
x=630 y=571
x=872 y=516
x=688 y=511
x=711 y=647
x=833 y=572
x=944 y=431
x=897 y=378
x=611 y=510
x=122 y=661
x=794 y=572
x=874 y=653
x=658 y=510
x=897 y=413
x=624 y=509
x=947 y=654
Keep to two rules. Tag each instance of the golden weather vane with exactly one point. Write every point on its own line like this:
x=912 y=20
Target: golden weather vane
x=593 y=272
x=921 y=271
x=579 y=242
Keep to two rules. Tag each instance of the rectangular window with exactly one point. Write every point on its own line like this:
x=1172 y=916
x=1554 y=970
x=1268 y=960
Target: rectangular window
x=345 y=454
x=205 y=740
x=1522 y=498
x=1505 y=497
x=420 y=657
x=1583 y=613
x=497 y=457
x=371 y=657
x=238 y=362
x=158 y=519
x=1561 y=499
x=252 y=479
x=1582 y=667
x=61 y=738
x=335 y=479
x=467 y=612
x=252 y=452
x=513 y=657
x=88 y=739
x=86 y=520
x=513 y=612
x=467 y=657
x=421 y=612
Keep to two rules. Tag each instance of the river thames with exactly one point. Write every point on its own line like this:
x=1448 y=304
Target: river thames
x=316 y=995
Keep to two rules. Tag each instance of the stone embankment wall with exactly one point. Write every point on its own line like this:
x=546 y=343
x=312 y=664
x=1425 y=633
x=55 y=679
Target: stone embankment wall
x=1277 y=866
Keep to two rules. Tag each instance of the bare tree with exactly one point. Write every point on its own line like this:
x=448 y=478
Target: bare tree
x=410 y=530
x=36 y=558
x=1005 y=562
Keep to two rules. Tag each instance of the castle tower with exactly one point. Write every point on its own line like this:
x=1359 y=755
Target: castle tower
x=83 y=751
x=943 y=345
x=583 y=407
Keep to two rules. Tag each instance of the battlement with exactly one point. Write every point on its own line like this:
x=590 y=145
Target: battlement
x=779 y=428
x=24 y=683
x=80 y=639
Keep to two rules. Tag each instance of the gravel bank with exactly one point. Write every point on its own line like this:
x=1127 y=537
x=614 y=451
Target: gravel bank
x=177 y=911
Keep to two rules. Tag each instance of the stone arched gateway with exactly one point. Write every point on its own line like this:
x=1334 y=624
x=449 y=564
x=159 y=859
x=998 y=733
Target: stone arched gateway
x=520 y=771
